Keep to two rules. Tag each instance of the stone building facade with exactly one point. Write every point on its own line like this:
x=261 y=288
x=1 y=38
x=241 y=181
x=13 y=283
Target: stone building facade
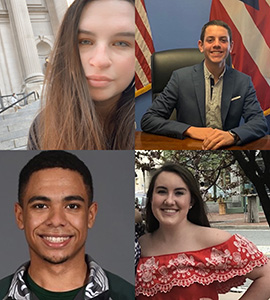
x=27 y=32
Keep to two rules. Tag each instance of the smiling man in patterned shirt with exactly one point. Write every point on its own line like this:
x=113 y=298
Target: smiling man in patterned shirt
x=55 y=210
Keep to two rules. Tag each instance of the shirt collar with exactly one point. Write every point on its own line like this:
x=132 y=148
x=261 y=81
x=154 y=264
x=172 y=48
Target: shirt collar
x=208 y=74
x=97 y=282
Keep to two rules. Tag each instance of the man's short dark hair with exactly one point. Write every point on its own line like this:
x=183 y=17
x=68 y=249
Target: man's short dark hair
x=217 y=23
x=55 y=159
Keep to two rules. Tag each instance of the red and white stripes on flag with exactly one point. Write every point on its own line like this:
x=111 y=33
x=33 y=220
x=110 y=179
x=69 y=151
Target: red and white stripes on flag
x=250 y=24
x=143 y=49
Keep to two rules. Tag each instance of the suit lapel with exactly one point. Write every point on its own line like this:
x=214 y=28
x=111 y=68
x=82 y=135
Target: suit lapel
x=228 y=83
x=198 y=79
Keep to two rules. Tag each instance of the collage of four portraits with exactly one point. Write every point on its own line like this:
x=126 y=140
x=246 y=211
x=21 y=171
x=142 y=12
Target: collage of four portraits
x=156 y=119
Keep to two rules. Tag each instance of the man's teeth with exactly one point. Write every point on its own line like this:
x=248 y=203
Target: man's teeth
x=53 y=239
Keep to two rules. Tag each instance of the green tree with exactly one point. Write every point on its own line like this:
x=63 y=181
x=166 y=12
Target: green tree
x=207 y=166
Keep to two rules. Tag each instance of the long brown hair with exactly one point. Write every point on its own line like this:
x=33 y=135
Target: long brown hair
x=69 y=119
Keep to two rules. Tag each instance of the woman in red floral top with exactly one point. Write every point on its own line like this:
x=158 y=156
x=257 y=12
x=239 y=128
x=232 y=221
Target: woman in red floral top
x=182 y=258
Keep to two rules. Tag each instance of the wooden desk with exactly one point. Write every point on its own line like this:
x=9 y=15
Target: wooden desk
x=146 y=141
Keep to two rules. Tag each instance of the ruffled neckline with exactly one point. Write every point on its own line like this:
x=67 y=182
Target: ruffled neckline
x=192 y=251
x=223 y=266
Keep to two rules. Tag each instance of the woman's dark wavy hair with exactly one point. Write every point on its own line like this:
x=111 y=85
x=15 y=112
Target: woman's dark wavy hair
x=196 y=214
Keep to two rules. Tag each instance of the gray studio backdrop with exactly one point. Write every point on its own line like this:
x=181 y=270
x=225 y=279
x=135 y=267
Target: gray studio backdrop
x=110 y=242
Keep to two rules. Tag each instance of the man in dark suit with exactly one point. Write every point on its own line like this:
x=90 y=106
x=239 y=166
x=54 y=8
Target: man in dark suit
x=210 y=98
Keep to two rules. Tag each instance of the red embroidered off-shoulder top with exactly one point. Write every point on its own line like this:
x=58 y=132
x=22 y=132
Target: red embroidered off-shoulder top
x=197 y=274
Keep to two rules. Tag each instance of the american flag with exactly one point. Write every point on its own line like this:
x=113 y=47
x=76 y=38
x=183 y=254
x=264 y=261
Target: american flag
x=143 y=49
x=250 y=24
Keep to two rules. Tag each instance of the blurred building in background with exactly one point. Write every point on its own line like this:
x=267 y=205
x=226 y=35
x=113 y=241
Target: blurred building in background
x=27 y=32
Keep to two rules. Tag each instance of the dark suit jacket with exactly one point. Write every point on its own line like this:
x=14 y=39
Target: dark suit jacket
x=186 y=93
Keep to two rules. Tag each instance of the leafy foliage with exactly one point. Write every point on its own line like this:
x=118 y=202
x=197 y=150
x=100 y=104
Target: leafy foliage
x=209 y=167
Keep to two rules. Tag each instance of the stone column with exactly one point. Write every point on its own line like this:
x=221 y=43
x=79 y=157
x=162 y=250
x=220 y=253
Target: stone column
x=56 y=9
x=253 y=211
x=24 y=36
x=1 y=101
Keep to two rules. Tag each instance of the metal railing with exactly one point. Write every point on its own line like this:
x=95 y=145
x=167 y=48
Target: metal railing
x=25 y=98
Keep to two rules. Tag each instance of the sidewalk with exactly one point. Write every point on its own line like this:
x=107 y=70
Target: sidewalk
x=231 y=221
x=230 y=296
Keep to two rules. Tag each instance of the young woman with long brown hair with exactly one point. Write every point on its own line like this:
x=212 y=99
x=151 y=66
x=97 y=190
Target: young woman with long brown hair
x=88 y=95
x=182 y=257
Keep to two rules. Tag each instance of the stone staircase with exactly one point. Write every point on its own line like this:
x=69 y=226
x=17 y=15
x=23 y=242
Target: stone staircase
x=14 y=126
